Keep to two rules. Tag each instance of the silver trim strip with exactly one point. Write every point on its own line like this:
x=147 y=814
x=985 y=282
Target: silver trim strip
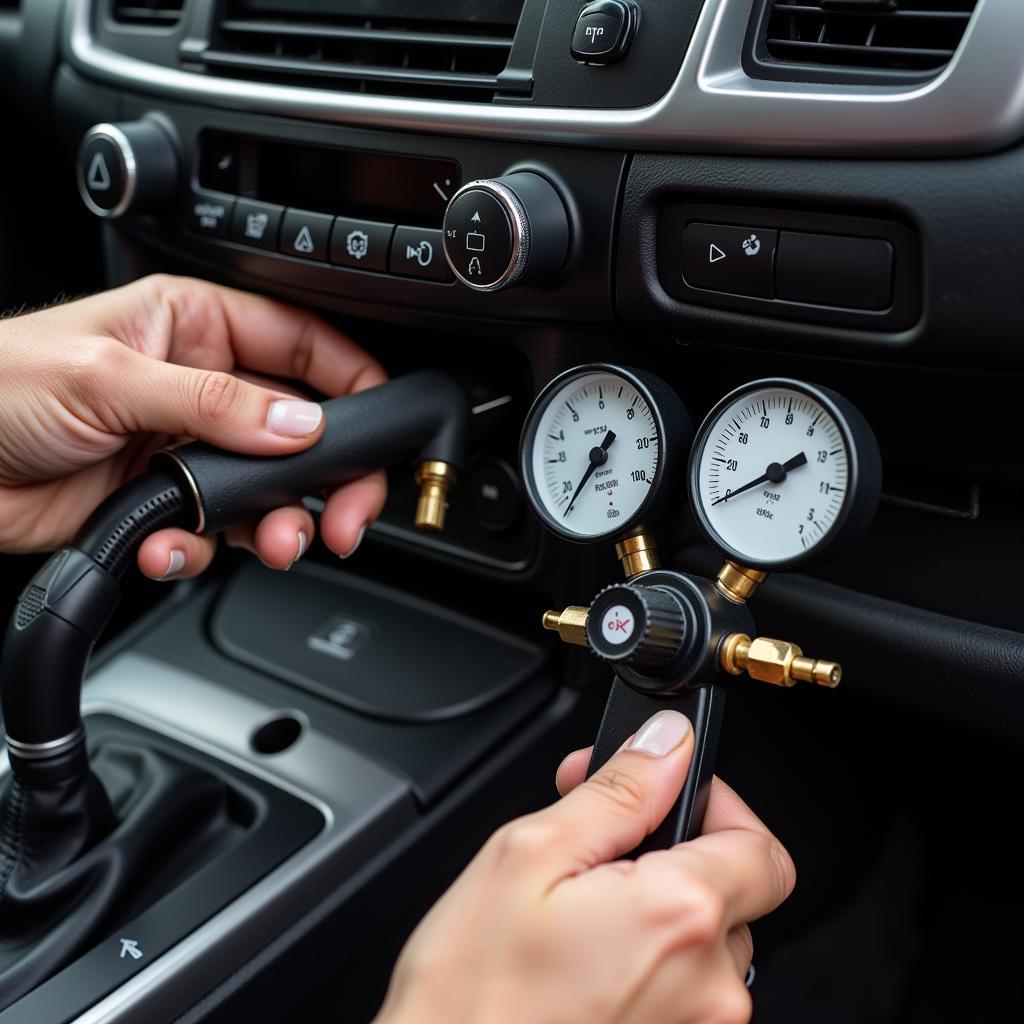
x=193 y=487
x=119 y=141
x=975 y=104
x=43 y=751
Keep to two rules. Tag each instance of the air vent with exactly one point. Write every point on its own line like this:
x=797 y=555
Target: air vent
x=877 y=38
x=441 y=49
x=153 y=13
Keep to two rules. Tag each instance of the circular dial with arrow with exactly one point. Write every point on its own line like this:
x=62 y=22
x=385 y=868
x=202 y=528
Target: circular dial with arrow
x=593 y=452
x=782 y=472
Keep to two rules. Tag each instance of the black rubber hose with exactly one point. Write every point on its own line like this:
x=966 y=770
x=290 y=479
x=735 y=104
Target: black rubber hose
x=424 y=415
x=61 y=614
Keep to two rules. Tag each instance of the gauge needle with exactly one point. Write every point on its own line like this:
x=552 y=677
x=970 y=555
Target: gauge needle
x=598 y=457
x=775 y=473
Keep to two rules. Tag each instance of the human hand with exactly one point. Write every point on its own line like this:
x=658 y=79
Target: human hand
x=547 y=924
x=92 y=388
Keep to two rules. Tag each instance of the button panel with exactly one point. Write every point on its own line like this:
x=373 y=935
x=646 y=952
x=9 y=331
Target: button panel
x=368 y=245
x=726 y=258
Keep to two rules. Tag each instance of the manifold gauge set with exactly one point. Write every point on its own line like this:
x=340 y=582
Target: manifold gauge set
x=780 y=475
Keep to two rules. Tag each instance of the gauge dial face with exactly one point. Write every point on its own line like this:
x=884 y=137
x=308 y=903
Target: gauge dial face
x=772 y=475
x=594 y=455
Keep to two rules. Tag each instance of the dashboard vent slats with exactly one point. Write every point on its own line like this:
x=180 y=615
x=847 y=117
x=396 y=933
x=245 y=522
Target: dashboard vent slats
x=414 y=56
x=883 y=36
x=147 y=13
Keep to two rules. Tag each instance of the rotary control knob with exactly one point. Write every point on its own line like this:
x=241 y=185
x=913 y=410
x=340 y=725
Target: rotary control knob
x=500 y=232
x=634 y=625
x=130 y=167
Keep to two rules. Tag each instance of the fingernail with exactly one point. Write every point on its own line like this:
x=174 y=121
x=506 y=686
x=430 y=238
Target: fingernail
x=175 y=563
x=355 y=547
x=661 y=733
x=300 y=547
x=294 y=418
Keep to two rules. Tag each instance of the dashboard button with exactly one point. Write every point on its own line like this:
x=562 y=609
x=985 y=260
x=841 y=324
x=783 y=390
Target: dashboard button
x=103 y=176
x=361 y=243
x=305 y=234
x=725 y=258
x=834 y=270
x=256 y=223
x=495 y=494
x=479 y=238
x=604 y=31
x=419 y=252
x=210 y=215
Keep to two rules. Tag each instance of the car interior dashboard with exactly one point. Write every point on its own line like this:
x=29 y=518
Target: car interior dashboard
x=685 y=196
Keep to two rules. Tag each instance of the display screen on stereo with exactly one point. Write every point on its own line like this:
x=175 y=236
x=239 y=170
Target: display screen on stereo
x=349 y=183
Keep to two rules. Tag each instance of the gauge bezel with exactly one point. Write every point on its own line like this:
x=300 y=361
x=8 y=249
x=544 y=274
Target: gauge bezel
x=863 y=488
x=671 y=421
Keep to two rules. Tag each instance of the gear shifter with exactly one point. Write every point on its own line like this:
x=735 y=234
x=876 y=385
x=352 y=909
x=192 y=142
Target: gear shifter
x=68 y=860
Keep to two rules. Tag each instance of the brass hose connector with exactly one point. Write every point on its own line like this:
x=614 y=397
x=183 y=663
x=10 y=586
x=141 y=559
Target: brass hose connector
x=435 y=480
x=570 y=624
x=638 y=555
x=737 y=583
x=778 y=662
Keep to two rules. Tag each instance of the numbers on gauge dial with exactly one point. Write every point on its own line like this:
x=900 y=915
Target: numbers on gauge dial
x=773 y=474
x=595 y=454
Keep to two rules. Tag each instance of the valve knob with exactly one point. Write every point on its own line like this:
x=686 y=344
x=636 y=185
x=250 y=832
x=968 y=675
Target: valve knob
x=636 y=625
x=130 y=167
x=504 y=231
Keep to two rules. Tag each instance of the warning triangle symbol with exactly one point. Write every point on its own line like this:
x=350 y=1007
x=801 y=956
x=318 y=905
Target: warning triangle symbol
x=304 y=240
x=476 y=217
x=98 y=178
x=715 y=254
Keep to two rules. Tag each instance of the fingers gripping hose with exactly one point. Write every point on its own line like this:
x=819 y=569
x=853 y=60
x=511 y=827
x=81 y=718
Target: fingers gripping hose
x=64 y=609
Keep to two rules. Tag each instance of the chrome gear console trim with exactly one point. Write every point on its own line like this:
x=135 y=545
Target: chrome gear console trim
x=975 y=104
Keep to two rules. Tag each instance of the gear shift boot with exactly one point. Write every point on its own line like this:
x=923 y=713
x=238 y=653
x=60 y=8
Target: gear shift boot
x=80 y=859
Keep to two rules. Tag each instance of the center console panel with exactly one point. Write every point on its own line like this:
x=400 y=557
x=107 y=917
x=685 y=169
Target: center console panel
x=322 y=795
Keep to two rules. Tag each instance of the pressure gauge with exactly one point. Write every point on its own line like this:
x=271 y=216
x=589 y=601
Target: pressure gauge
x=783 y=473
x=600 y=446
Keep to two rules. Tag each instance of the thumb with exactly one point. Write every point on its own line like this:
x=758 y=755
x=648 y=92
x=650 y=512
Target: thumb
x=625 y=800
x=216 y=407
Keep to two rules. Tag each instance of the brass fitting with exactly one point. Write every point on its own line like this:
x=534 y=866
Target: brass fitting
x=737 y=583
x=778 y=662
x=638 y=555
x=435 y=480
x=570 y=624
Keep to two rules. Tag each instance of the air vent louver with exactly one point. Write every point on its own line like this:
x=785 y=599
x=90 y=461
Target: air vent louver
x=884 y=37
x=153 y=13
x=416 y=54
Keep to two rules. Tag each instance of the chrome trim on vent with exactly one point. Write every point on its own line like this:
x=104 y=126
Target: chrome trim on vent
x=976 y=103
